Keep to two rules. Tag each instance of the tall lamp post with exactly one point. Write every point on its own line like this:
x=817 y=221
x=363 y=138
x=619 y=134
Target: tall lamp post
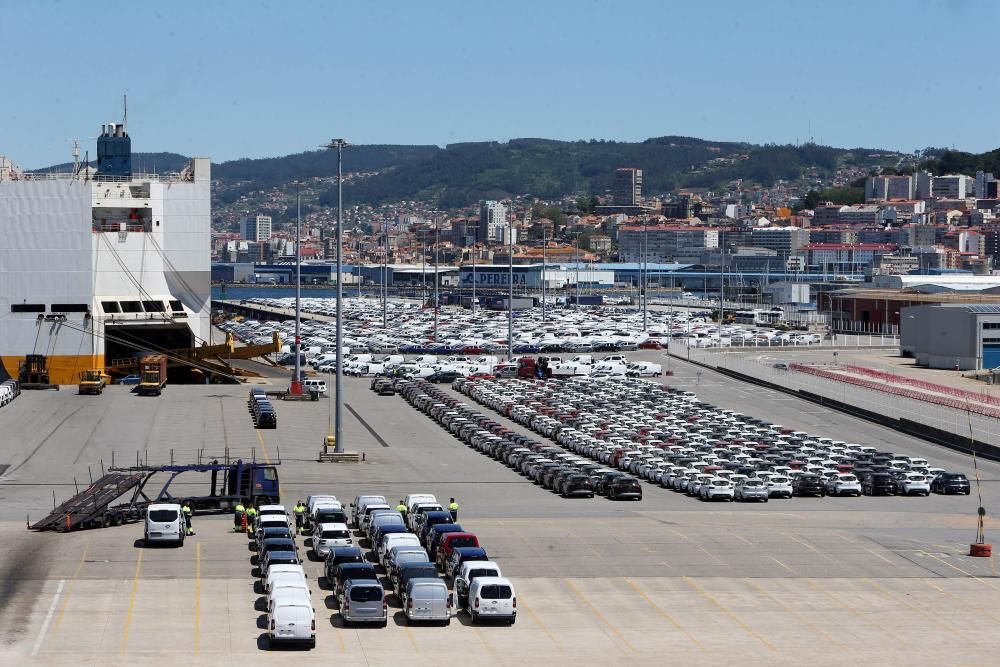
x=385 y=276
x=643 y=294
x=510 y=285
x=544 y=243
x=296 y=388
x=436 y=297
x=339 y=144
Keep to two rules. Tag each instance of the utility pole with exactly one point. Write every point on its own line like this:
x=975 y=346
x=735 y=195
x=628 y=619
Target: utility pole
x=339 y=144
x=645 y=275
x=423 y=270
x=544 y=243
x=576 y=261
x=296 y=388
x=385 y=276
x=510 y=285
x=475 y=251
x=436 y=298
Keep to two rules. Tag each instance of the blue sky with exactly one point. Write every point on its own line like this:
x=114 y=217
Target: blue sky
x=251 y=79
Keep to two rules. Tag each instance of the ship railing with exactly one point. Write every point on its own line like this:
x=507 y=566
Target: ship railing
x=171 y=177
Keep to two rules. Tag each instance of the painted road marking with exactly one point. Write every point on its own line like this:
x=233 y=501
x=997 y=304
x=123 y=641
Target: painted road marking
x=593 y=609
x=69 y=588
x=858 y=614
x=131 y=604
x=263 y=448
x=197 y=598
x=663 y=613
x=48 y=618
x=711 y=598
x=794 y=613
x=889 y=594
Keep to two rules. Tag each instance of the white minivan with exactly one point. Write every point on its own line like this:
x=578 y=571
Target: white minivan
x=164 y=523
x=291 y=618
x=492 y=597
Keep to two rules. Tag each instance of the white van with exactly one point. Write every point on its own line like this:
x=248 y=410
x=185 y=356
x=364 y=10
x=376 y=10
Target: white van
x=278 y=572
x=291 y=618
x=313 y=383
x=164 y=523
x=492 y=597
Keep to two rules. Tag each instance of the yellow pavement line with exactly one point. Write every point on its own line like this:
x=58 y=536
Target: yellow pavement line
x=782 y=564
x=794 y=613
x=871 y=551
x=263 y=448
x=69 y=588
x=918 y=610
x=538 y=621
x=593 y=609
x=955 y=567
x=711 y=598
x=222 y=421
x=409 y=635
x=663 y=613
x=700 y=548
x=858 y=614
x=131 y=604
x=197 y=598
x=486 y=644
x=962 y=600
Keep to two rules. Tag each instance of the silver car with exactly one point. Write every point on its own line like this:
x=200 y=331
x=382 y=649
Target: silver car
x=363 y=601
x=752 y=489
x=427 y=600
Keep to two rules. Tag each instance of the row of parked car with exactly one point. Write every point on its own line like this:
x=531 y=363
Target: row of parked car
x=9 y=390
x=457 y=331
x=261 y=410
x=668 y=437
x=410 y=548
x=290 y=615
x=549 y=466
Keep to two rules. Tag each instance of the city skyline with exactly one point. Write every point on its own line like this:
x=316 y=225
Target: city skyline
x=261 y=82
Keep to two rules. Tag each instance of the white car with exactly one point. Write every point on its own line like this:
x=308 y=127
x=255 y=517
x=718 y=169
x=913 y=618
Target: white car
x=779 y=486
x=913 y=484
x=843 y=484
x=717 y=488
x=330 y=535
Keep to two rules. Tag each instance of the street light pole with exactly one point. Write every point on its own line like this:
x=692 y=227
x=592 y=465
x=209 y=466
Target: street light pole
x=385 y=277
x=296 y=388
x=510 y=285
x=475 y=251
x=544 y=243
x=436 y=298
x=644 y=295
x=339 y=144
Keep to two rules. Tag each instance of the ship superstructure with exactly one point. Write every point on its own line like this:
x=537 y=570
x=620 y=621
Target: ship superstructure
x=101 y=266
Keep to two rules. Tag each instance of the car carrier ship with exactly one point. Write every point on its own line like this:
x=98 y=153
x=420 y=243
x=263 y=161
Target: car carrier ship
x=102 y=266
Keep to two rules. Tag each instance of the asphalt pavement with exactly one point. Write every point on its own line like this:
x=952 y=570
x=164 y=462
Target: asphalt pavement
x=875 y=579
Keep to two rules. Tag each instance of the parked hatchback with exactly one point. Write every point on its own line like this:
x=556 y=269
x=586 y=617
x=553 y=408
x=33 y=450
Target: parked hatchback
x=363 y=601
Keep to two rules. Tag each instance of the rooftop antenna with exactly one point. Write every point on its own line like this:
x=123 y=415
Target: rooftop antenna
x=76 y=155
x=125 y=109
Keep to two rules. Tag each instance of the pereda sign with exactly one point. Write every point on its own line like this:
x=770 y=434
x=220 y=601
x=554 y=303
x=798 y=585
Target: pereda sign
x=490 y=278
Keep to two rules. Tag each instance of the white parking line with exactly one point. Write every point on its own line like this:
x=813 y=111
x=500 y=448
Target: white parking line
x=48 y=618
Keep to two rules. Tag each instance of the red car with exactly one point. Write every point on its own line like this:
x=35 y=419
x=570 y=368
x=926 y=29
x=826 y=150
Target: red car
x=650 y=345
x=452 y=541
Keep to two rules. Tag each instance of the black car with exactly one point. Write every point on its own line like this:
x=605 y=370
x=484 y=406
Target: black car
x=624 y=487
x=951 y=482
x=808 y=485
x=338 y=556
x=443 y=376
x=350 y=572
x=411 y=570
x=576 y=484
x=878 y=484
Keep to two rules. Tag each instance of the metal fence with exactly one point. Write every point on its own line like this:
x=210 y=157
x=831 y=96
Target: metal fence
x=883 y=398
